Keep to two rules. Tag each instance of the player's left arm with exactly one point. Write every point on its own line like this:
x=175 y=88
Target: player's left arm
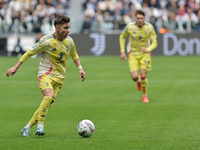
x=75 y=58
x=153 y=45
x=81 y=71
x=153 y=38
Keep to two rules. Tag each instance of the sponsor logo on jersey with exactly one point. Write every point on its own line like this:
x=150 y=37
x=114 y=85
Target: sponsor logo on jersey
x=60 y=57
x=53 y=44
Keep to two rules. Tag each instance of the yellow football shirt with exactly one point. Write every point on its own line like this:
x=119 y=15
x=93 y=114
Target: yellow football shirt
x=138 y=37
x=54 y=56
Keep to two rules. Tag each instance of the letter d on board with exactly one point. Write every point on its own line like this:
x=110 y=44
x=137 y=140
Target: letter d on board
x=174 y=49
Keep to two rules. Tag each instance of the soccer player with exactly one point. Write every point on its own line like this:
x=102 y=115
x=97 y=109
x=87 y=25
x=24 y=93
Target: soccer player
x=56 y=48
x=139 y=56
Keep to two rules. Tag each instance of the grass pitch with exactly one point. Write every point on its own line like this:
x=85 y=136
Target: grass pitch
x=109 y=98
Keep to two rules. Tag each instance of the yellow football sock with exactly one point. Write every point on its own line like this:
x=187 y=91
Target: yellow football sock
x=42 y=110
x=144 y=86
x=34 y=119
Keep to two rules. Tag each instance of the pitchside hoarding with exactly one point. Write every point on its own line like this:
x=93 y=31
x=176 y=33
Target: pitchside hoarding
x=3 y=46
x=168 y=44
x=96 y=44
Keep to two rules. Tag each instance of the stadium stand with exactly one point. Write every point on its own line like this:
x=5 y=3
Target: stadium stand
x=30 y=16
x=107 y=16
x=177 y=16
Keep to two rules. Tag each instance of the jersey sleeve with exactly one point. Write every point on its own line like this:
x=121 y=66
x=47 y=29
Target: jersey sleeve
x=122 y=39
x=73 y=52
x=153 y=38
x=34 y=50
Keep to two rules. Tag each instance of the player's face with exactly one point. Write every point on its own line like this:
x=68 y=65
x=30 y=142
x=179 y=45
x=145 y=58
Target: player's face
x=63 y=30
x=140 y=20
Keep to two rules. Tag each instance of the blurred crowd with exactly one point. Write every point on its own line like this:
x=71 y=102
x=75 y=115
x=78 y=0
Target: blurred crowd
x=103 y=16
x=30 y=16
x=179 y=16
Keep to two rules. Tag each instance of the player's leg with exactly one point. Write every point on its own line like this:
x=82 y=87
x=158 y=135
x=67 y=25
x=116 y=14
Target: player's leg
x=144 y=83
x=137 y=78
x=46 y=86
x=134 y=67
x=33 y=120
x=25 y=131
x=51 y=94
x=56 y=89
x=145 y=67
x=48 y=95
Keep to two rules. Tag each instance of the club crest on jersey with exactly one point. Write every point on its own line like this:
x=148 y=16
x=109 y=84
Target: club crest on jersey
x=53 y=44
x=60 y=57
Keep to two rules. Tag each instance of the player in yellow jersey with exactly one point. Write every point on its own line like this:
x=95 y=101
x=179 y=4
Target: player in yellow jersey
x=56 y=48
x=139 y=56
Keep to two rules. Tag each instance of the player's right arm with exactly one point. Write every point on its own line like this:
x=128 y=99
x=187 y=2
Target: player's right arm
x=14 y=69
x=122 y=40
x=34 y=50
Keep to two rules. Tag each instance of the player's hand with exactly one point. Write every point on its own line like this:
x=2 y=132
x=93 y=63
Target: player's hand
x=123 y=56
x=11 y=71
x=82 y=74
x=143 y=49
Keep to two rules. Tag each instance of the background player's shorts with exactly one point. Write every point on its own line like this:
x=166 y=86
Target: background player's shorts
x=45 y=82
x=141 y=61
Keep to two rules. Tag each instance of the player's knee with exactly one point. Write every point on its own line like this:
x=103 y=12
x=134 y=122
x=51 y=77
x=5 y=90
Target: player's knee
x=143 y=77
x=51 y=95
x=135 y=78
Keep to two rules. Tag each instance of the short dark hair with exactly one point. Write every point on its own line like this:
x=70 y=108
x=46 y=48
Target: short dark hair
x=140 y=12
x=61 y=20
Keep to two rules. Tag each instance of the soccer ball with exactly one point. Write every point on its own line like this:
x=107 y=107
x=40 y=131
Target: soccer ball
x=85 y=128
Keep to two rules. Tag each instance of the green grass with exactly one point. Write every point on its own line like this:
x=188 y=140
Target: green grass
x=109 y=98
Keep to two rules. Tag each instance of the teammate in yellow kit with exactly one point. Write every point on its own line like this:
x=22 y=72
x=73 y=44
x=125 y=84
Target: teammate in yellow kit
x=56 y=48
x=139 y=56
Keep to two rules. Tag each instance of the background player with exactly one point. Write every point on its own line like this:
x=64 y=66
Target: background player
x=139 y=33
x=56 y=48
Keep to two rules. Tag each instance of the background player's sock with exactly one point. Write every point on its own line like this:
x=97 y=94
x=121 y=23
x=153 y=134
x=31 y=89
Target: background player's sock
x=144 y=86
x=139 y=78
x=144 y=95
